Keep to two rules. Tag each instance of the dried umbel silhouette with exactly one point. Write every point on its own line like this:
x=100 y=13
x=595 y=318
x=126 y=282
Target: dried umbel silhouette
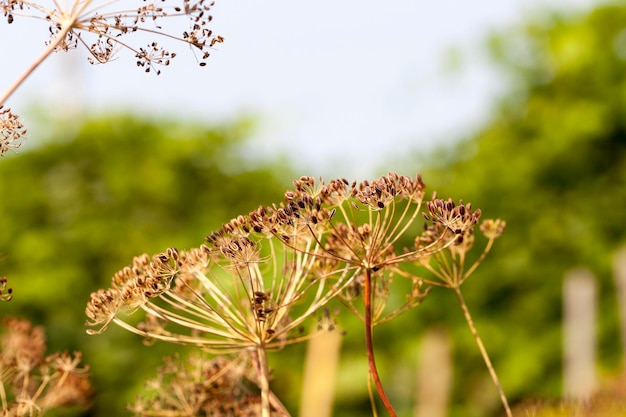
x=249 y=288
x=30 y=382
x=607 y=401
x=12 y=131
x=142 y=27
x=202 y=385
x=449 y=267
x=255 y=281
x=373 y=223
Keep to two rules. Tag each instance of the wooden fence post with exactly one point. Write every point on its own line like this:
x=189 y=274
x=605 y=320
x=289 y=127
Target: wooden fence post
x=320 y=370
x=434 y=375
x=579 y=339
x=619 y=272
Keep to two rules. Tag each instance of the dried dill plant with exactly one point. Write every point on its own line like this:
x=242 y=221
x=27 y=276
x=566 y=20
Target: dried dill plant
x=30 y=382
x=202 y=386
x=371 y=222
x=249 y=288
x=12 y=130
x=256 y=280
x=367 y=235
x=104 y=29
x=450 y=268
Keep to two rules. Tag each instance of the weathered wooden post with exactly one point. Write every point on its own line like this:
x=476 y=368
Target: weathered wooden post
x=320 y=371
x=434 y=375
x=579 y=339
x=619 y=272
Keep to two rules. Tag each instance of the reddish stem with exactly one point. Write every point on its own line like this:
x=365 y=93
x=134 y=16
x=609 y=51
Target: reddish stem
x=369 y=343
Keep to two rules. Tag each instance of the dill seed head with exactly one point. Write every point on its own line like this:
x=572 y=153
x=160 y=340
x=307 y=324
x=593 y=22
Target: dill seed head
x=365 y=222
x=31 y=382
x=103 y=30
x=257 y=278
x=456 y=218
x=132 y=287
x=253 y=283
x=365 y=231
x=449 y=264
x=493 y=229
x=102 y=308
x=12 y=130
x=201 y=385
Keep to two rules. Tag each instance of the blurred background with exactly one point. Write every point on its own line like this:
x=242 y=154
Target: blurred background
x=518 y=108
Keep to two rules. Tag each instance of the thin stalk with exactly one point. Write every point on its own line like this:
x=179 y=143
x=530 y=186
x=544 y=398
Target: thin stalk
x=264 y=381
x=263 y=372
x=483 y=351
x=369 y=343
x=371 y=395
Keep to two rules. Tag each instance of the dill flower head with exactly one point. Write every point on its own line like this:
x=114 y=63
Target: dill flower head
x=252 y=284
x=257 y=278
x=104 y=29
x=32 y=383
x=11 y=130
x=449 y=266
x=366 y=236
x=201 y=385
x=369 y=234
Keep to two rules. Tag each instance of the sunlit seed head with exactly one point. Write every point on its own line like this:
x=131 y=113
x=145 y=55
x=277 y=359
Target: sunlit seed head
x=12 y=130
x=104 y=31
x=30 y=380
x=493 y=229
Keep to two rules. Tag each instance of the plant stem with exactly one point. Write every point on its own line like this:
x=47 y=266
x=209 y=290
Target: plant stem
x=483 y=351
x=369 y=343
x=264 y=381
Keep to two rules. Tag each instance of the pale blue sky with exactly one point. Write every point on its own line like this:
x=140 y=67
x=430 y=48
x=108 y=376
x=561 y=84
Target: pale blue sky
x=337 y=84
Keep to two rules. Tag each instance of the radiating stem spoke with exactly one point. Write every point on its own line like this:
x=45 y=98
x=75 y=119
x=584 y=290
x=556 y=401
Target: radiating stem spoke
x=483 y=351
x=264 y=382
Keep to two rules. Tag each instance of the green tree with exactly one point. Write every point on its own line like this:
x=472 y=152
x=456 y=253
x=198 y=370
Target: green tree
x=78 y=208
x=551 y=162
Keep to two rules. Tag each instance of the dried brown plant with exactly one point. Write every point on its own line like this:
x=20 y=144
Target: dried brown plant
x=254 y=282
x=12 y=130
x=30 y=382
x=450 y=268
x=106 y=27
x=203 y=386
x=367 y=235
x=249 y=288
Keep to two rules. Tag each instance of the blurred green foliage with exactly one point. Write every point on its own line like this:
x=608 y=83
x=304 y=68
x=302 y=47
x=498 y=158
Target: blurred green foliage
x=78 y=208
x=552 y=163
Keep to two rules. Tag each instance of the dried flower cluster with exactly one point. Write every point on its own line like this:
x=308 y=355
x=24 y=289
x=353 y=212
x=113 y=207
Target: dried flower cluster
x=449 y=266
x=140 y=26
x=254 y=282
x=201 y=386
x=239 y=289
x=32 y=384
x=235 y=292
x=103 y=30
x=11 y=130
